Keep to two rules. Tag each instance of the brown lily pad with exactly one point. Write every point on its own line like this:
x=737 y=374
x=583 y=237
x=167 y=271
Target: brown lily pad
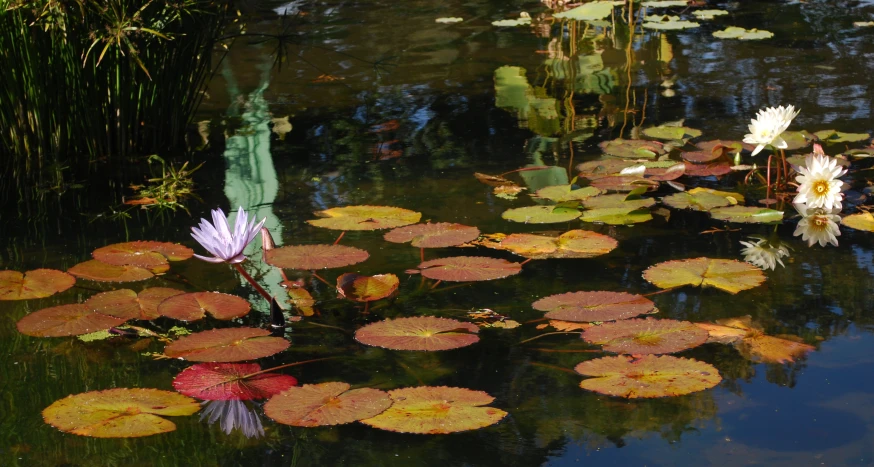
x=326 y=404
x=101 y=272
x=366 y=288
x=647 y=377
x=594 y=306
x=711 y=169
x=468 y=268
x=426 y=333
x=571 y=244
x=127 y=304
x=365 y=218
x=66 y=320
x=725 y=274
x=230 y=381
x=38 y=283
x=646 y=336
x=439 y=235
x=311 y=257
x=633 y=148
x=226 y=345
x=195 y=306
x=145 y=254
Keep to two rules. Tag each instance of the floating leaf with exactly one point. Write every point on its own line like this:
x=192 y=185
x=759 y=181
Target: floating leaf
x=796 y=139
x=427 y=333
x=119 y=413
x=647 y=377
x=560 y=193
x=588 y=11
x=230 y=381
x=436 y=410
x=38 y=283
x=571 y=244
x=729 y=275
x=772 y=349
x=722 y=334
x=617 y=209
x=732 y=197
x=734 y=32
x=713 y=169
x=624 y=183
x=668 y=23
x=593 y=306
x=522 y=20
x=663 y=3
x=449 y=20
x=101 y=272
x=747 y=214
x=145 y=254
x=226 y=345
x=541 y=214
x=667 y=174
x=195 y=306
x=834 y=136
x=494 y=180
x=633 y=148
x=65 y=320
x=671 y=132
x=127 y=304
x=708 y=14
x=301 y=299
x=310 y=257
x=701 y=201
x=326 y=404
x=646 y=336
x=365 y=218
x=860 y=221
x=593 y=170
x=366 y=288
x=508 y=191
x=700 y=157
x=568 y=326
x=468 y=268
x=439 y=235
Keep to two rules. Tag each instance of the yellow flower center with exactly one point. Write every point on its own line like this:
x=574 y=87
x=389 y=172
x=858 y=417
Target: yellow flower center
x=820 y=187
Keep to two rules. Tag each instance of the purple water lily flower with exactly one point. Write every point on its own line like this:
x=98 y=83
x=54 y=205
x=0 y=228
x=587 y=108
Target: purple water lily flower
x=226 y=246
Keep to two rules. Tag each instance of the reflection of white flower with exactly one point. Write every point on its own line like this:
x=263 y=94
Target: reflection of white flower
x=766 y=128
x=763 y=254
x=233 y=414
x=818 y=185
x=818 y=225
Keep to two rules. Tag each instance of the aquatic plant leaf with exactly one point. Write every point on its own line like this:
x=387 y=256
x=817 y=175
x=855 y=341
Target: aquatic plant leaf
x=436 y=410
x=365 y=218
x=770 y=349
x=700 y=157
x=310 y=257
x=495 y=180
x=666 y=174
x=427 y=333
x=127 y=304
x=101 y=272
x=747 y=214
x=646 y=336
x=724 y=147
x=468 y=268
x=732 y=197
x=722 y=334
x=571 y=244
x=145 y=254
x=616 y=216
x=366 y=288
x=588 y=11
x=725 y=274
x=860 y=221
x=38 y=283
x=834 y=136
x=708 y=14
x=119 y=413
x=734 y=32
x=670 y=23
x=439 y=235
x=301 y=299
x=65 y=320
x=712 y=169
x=226 y=345
x=618 y=201
x=230 y=382
x=560 y=193
x=326 y=404
x=701 y=201
x=624 y=183
x=520 y=21
x=797 y=139
x=449 y=20
x=603 y=168
x=593 y=306
x=671 y=132
x=633 y=148
x=541 y=214
x=195 y=306
x=568 y=326
x=663 y=3
x=647 y=377
x=508 y=191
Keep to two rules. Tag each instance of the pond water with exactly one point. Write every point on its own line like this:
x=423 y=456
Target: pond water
x=388 y=107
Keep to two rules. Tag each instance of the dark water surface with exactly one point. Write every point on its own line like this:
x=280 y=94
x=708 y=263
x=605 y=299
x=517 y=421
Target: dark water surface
x=390 y=62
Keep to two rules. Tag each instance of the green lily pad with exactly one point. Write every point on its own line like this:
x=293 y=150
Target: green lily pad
x=797 y=139
x=702 y=201
x=618 y=201
x=747 y=214
x=617 y=209
x=587 y=12
x=541 y=214
x=734 y=32
x=731 y=196
x=670 y=132
x=633 y=148
x=624 y=183
x=708 y=14
x=834 y=136
x=560 y=193
x=522 y=20
x=667 y=22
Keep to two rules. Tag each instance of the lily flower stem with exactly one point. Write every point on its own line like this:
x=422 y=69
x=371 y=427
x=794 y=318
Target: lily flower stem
x=785 y=167
x=252 y=281
x=422 y=254
x=768 y=183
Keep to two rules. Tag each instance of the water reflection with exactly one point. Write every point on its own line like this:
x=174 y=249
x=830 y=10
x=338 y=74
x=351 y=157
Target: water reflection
x=234 y=415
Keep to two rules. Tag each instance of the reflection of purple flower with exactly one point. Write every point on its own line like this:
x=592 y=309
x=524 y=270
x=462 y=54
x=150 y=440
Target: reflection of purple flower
x=226 y=247
x=232 y=415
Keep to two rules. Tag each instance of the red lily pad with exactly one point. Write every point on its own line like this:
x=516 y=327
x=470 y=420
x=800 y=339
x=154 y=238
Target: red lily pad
x=700 y=157
x=418 y=333
x=101 y=272
x=725 y=274
x=195 y=306
x=311 y=257
x=230 y=382
x=226 y=345
x=66 y=320
x=365 y=218
x=715 y=169
x=439 y=235
x=366 y=288
x=145 y=254
x=647 y=377
x=127 y=304
x=593 y=306
x=119 y=413
x=326 y=404
x=38 y=283
x=468 y=268
x=646 y=336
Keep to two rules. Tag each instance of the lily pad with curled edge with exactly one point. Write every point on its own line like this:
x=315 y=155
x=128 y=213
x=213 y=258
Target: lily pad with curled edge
x=66 y=320
x=311 y=257
x=439 y=235
x=38 y=283
x=561 y=193
x=101 y=272
x=326 y=404
x=423 y=333
x=708 y=14
x=226 y=345
x=541 y=214
x=119 y=413
x=468 y=268
x=666 y=174
x=725 y=274
x=734 y=32
x=747 y=214
x=195 y=306
x=145 y=254
x=593 y=306
x=633 y=148
x=588 y=11
x=671 y=132
x=127 y=304
x=366 y=288
x=646 y=336
x=860 y=221
x=603 y=168
x=435 y=410
x=701 y=201
x=834 y=136
x=648 y=376
x=230 y=382
x=732 y=197
x=365 y=218
x=756 y=345
x=571 y=244
x=722 y=334
x=667 y=23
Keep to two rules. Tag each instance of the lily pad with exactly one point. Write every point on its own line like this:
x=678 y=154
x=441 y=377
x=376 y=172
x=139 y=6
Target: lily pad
x=365 y=218
x=663 y=3
x=426 y=333
x=520 y=21
x=734 y=32
x=732 y=197
x=701 y=201
x=646 y=336
x=667 y=22
x=366 y=288
x=587 y=12
x=439 y=235
x=195 y=306
x=326 y=404
x=449 y=20
x=468 y=268
x=119 y=413
x=603 y=168
x=860 y=221
x=834 y=136
x=797 y=139
x=311 y=257
x=561 y=193
x=593 y=306
x=747 y=214
x=38 y=283
x=571 y=244
x=708 y=14
x=230 y=381
x=756 y=345
x=436 y=410
x=496 y=180
x=725 y=274
x=712 y=169
x=671 y=132
x=66 y=320
x=127 y=304
x=624 y=183
x=541 y=214
x=647 y=377
x=722 y=334
x=633 y=148
x=101 y=272
x=226 y=345
x=618 y=209
x=145 y=254
x=667 y=174
x=301 y=299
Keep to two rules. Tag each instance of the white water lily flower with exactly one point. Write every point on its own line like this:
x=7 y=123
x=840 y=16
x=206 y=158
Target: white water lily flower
x=818 y=184
x=226 y=246
x=818 y=225
x=763 y=254
x=768 y=125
